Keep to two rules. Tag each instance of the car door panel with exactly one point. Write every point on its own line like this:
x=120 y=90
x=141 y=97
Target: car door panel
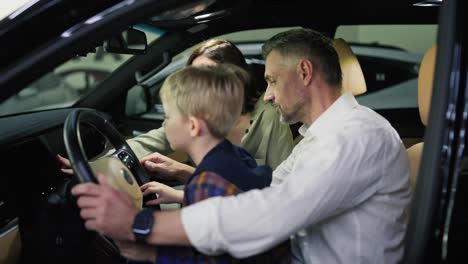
x=10 y=239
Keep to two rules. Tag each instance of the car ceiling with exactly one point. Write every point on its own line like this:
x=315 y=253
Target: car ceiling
x=342 y=12
x=320 y=15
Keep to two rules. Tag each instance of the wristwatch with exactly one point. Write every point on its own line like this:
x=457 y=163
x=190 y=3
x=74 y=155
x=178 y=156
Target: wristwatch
x=142 y=225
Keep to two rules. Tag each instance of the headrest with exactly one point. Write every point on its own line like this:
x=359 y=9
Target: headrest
x=353 y=78
x=425 y=79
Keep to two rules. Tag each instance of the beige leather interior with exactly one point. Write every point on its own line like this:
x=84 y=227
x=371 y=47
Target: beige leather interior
x=410 y=141
x=425 y=79
x=353 y=77
x=414 y=155
x=119 y=177
x=10 y=246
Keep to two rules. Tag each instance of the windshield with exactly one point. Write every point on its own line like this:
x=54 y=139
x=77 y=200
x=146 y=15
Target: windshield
x=68 y=82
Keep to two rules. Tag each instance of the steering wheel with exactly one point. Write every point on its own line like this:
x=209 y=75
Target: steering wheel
x=122 y=168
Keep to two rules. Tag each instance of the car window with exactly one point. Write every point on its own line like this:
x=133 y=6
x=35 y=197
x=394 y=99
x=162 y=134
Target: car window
x=68 y=82
x=389 y=57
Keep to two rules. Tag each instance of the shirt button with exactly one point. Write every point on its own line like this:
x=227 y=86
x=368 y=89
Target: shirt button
x=247 y=131
x=251 y=121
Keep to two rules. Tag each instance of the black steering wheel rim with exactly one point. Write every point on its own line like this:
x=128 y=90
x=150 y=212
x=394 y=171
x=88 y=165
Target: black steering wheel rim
x=79 y=160
x=75 y=149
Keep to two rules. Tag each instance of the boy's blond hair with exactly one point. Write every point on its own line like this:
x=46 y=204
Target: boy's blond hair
x=212 y=93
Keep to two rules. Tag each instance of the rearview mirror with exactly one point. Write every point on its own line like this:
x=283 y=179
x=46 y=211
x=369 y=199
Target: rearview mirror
x=130 y=41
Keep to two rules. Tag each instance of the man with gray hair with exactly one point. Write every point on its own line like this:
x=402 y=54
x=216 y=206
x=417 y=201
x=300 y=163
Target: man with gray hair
x=341 y=194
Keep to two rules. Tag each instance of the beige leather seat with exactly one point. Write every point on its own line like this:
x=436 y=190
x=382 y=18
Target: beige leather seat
x=425 y=79
x=353 y=77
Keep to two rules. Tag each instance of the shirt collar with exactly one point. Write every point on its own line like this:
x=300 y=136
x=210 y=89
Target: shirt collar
x=330 y=118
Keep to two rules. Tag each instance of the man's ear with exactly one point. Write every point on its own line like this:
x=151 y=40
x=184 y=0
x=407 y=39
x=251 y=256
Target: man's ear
x=305 y=69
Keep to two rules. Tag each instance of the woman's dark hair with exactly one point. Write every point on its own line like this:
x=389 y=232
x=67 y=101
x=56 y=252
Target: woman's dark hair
x=223 y=51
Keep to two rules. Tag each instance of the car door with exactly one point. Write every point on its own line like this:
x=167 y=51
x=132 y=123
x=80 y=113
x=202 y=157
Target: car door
x=437 y=231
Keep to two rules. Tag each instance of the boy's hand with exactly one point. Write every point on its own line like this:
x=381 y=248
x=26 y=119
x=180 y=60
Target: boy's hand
x=66 y=165
x=162 y=167
x=165 y=193
x=133 y=251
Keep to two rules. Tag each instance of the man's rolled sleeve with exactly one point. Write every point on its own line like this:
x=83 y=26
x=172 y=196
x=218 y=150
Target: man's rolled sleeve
x=202 y=216
x=255 y=221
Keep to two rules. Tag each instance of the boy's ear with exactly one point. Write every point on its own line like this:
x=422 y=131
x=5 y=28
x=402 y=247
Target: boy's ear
x=196 y=126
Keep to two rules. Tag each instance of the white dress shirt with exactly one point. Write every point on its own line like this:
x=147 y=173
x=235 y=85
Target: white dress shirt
x=341 y=195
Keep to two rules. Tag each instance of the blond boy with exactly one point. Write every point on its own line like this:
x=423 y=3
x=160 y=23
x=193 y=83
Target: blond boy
x=201 y=105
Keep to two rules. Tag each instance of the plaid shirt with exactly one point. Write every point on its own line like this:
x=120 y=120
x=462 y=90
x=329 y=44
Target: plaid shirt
x=201 y=187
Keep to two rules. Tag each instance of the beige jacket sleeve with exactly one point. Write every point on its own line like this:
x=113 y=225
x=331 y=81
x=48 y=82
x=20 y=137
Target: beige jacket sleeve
x=267 y=139
x=153 y=141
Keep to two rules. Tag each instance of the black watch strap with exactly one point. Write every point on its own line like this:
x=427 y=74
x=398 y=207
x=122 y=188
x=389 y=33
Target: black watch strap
x=142 y=225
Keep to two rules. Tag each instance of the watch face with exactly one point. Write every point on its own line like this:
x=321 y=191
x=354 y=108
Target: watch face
x=143 y=224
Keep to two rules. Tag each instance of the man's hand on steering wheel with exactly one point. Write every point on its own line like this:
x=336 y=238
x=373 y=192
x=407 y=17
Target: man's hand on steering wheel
x=102 y=204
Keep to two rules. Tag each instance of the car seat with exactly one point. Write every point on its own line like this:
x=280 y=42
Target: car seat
x=353 y=77
x=425 y=79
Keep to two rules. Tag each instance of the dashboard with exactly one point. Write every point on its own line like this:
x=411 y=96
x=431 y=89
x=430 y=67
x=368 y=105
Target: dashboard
x=34 y=193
